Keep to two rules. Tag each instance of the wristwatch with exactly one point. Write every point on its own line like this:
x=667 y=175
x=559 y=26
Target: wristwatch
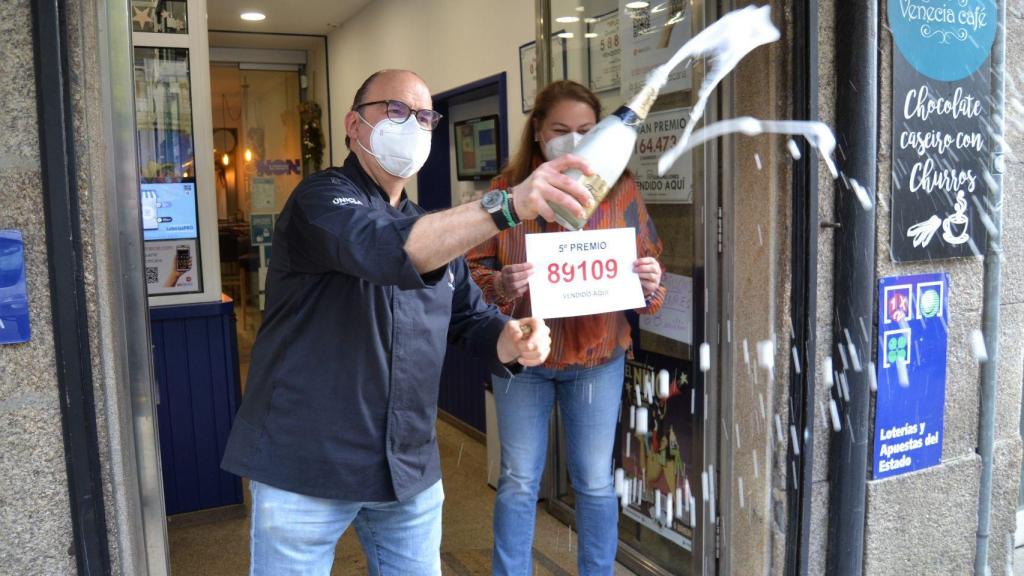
x=498 y=204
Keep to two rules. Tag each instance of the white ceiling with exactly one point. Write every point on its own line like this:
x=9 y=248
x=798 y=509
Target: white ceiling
x=283 y=16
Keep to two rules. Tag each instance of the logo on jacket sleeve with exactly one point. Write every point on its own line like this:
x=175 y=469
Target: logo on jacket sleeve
x=343 y=201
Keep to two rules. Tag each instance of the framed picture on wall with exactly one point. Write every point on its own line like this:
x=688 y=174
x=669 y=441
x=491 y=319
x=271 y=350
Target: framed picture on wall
x=477 y=148
x=528 y=68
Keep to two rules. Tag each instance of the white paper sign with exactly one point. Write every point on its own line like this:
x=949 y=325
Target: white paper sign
x=605 y=53
x=580 y=273
x=675 y=318
x=263 y=194
x=658 y=135
x=649 y=38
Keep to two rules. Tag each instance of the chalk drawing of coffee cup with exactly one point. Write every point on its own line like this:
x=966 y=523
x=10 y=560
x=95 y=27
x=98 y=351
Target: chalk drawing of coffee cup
x=954 y=227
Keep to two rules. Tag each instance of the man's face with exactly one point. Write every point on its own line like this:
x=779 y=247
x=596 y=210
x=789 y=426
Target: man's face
x=402 y=86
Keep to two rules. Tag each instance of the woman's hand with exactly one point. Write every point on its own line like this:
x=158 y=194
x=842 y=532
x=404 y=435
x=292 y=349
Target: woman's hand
x=527 y=341
x=650 y=274
x=514 y=279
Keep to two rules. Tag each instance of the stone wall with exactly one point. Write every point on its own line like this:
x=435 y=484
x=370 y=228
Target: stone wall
x=925 y=522
x=34 y=507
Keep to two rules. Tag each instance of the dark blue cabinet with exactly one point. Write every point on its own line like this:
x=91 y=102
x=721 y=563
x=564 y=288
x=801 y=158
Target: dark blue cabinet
x=195 y=361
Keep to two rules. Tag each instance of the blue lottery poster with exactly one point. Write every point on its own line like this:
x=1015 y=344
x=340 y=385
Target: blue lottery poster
x=14 y=317
x=913 y=317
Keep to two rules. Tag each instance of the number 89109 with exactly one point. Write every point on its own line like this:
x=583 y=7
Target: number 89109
x=586 y=270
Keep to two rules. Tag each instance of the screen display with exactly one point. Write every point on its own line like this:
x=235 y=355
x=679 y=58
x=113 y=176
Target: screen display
x=476 y=148
x=169 y=211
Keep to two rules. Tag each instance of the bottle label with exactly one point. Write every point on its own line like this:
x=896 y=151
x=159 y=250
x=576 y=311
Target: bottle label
x=598 y=189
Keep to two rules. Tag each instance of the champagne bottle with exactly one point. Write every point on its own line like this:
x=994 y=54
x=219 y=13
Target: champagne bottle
x=606 y=149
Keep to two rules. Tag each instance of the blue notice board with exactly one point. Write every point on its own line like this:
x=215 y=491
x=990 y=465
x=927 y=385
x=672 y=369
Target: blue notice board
x=913 y=317
x=14 y=317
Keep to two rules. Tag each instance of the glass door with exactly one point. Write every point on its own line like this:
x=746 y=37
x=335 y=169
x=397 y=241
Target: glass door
x=663 y=445
x=258 y=158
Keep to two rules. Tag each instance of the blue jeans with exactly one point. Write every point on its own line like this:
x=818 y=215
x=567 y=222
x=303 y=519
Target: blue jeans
x=293 y=534
x=588 y=399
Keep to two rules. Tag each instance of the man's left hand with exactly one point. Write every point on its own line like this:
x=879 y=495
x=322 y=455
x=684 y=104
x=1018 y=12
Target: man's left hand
x=527 y=341
x=650 y=274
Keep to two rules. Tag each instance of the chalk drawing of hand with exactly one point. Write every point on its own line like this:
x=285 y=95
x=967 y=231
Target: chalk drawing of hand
x=922 y=232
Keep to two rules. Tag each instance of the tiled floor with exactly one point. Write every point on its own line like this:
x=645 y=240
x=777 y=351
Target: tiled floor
x=222 y=548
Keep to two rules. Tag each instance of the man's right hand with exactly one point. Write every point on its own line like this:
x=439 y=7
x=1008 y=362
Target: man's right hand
x=548 y=184
x=514 y=279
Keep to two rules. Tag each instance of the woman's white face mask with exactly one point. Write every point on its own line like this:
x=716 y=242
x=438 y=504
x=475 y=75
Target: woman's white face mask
x=401 y=149
x=562 y=145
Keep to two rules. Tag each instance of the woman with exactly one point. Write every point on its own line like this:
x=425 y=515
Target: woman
x=585 y=370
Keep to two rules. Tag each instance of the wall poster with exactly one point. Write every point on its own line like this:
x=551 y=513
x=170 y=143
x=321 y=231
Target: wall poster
x=913 y=314
x=171 y=266
x=649 y=37
x=654 y=449
x=657 y=135
x=605 y=52
x=943 y=148
x=528 y=68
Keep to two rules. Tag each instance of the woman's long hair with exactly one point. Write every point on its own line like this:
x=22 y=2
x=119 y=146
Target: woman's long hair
x=523 y=163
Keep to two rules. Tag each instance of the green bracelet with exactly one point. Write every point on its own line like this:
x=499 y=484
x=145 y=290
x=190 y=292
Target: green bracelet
x=505 y=209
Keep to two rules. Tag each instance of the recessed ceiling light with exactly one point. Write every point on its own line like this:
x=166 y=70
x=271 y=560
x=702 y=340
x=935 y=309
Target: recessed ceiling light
x=580 y=8
x=637 y=5
x=567 y=19
x=590 y=35
x=253 y=16
x=565 y=34
x=590 y=20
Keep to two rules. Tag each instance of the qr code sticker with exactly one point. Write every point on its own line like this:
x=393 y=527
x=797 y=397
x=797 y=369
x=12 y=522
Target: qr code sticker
x=152 y=276
x=641 y=24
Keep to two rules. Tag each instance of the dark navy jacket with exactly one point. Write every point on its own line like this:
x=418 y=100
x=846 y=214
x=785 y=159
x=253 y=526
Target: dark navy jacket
x=342 y=392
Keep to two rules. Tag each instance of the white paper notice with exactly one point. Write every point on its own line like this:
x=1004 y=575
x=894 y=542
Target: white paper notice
x=657 y=135
x=675 y=318
x=580 y=273
x=649 y=38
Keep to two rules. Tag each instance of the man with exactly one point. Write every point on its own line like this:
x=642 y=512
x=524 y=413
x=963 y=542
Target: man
x=363 y=295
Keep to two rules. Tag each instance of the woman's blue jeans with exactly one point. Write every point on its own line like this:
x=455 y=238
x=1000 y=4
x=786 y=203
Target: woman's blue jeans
x=588 y=400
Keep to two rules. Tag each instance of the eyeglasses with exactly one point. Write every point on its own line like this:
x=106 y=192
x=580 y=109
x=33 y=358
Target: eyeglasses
x=399 y=112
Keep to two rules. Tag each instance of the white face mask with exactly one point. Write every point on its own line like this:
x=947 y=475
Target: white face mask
x=401 y=149
x=564 y=144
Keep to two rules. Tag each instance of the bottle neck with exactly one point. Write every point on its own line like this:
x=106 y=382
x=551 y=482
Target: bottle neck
x=629 y=117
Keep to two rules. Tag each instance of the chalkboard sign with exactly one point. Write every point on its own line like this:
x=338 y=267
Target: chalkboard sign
x=942 y=141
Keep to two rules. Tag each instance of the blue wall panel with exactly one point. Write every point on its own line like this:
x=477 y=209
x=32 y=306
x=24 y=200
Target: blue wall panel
x=195 y=356
x=463 y=382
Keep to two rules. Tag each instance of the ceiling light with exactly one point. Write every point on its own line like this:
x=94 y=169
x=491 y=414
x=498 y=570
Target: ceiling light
x=580 y=8
x=590 y=35
x=589 y=20
x=565 y=34
x=567 y=19
x=637 y=5
x=253 y=16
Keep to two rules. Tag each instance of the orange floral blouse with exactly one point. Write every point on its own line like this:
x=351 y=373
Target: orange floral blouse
x=584 y=340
